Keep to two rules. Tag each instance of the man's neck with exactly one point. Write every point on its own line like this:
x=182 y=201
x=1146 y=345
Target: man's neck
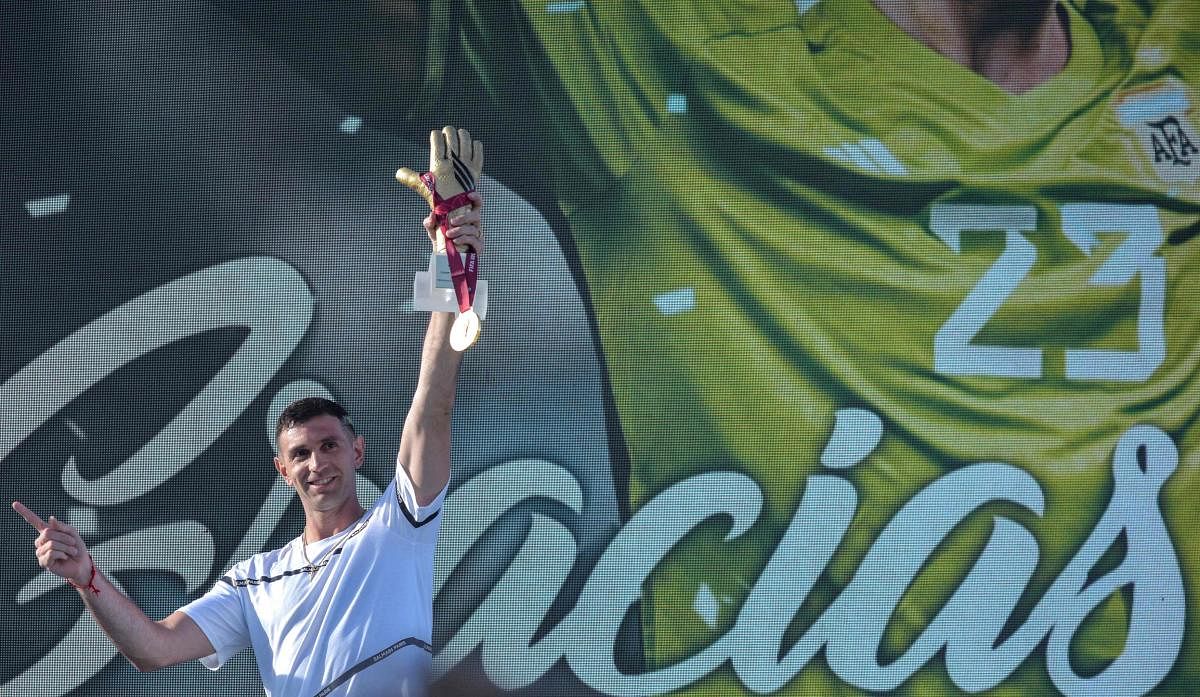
x=1017 y=44
x=321 y=524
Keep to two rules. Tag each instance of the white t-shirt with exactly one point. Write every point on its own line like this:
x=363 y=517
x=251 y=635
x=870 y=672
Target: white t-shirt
x=361 y=625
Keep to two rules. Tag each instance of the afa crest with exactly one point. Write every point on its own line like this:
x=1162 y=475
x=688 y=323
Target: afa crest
x=1170 y=142
x=1163 y=119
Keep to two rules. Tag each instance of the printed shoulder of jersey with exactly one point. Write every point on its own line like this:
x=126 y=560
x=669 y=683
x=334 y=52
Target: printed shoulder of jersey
x=761 y=84
x=636 y=56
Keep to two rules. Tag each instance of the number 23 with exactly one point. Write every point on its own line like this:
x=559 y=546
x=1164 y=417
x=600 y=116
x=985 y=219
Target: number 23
x=954 y=354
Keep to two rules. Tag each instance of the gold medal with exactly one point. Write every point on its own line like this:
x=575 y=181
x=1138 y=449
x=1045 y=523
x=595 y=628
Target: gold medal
x=465 y=331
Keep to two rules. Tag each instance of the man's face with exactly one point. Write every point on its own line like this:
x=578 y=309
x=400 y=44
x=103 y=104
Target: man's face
x=318 y=458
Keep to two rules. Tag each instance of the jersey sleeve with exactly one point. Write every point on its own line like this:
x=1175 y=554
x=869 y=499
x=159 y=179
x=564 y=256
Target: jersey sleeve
x=220 y=615
x=397 y=508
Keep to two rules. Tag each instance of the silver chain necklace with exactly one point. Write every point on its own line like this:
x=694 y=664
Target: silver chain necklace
x=322 y=562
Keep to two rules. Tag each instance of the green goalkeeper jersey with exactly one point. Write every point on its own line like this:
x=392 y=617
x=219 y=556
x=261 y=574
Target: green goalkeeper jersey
x=788 y=212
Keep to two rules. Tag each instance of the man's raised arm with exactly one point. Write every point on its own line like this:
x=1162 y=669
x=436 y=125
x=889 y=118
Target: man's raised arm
x=455 y=167
x=425 y=441
x=147 y=644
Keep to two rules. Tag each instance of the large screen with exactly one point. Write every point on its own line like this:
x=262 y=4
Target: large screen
x=816 y=361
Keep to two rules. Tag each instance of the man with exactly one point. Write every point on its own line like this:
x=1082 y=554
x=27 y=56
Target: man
x=320 y=205
x=975 y=220
x=346 y=607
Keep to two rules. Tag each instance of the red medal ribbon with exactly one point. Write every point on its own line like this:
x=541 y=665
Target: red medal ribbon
x=464 y=274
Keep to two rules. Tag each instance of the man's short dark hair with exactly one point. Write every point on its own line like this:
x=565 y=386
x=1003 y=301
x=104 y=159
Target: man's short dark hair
x=307 y=408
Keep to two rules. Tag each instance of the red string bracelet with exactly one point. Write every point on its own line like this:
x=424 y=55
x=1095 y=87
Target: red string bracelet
x=91 y=584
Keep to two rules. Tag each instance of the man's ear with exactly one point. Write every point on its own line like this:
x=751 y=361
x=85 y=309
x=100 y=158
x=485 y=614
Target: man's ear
x=281 y=470
x=360 y=449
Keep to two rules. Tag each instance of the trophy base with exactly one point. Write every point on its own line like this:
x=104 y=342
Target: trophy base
x=433 y=291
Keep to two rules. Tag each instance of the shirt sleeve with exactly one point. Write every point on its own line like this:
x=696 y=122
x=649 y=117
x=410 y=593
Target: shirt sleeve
x=220 y=615
x=398 y=509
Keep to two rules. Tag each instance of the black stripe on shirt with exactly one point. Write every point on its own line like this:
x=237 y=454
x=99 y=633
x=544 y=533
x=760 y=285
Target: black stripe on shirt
x=307 y=568
x=372 y=660
x=412 y=520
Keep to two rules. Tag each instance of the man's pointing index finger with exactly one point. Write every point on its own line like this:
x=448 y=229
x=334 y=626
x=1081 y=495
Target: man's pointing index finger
x=29 y=516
